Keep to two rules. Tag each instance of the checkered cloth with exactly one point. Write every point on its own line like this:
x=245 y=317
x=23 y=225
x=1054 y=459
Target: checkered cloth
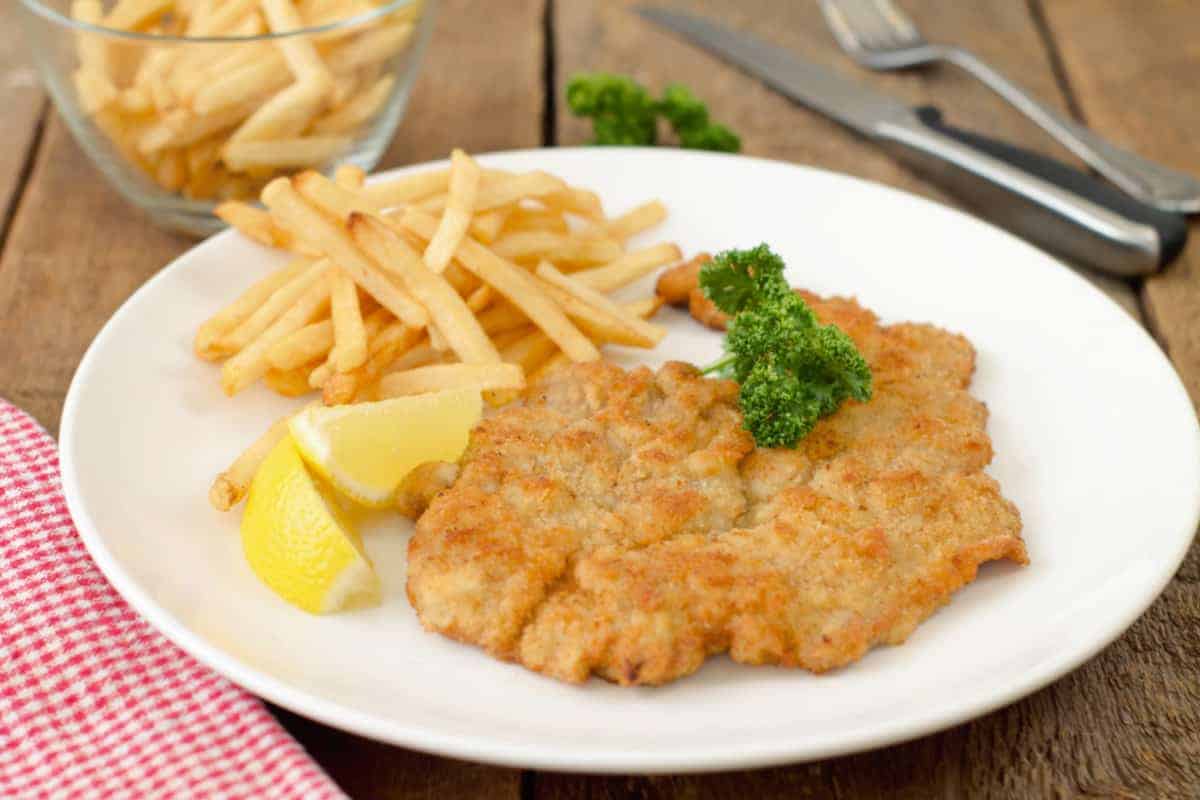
x=95 y=703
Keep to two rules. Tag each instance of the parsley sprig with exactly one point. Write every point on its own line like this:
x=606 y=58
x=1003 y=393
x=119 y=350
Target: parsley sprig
x=624 y=113
x=792 y=370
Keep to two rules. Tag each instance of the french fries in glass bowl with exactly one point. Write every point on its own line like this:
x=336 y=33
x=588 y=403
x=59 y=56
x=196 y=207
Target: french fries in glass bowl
x=184 y=104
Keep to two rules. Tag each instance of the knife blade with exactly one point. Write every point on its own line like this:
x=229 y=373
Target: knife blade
x=821 y=89
x=1043 y=200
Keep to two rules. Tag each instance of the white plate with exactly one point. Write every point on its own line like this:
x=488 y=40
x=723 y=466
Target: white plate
x=1095 y=441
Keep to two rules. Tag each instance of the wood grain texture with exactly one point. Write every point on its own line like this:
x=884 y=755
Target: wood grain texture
x=368 y=769
x=75 y=252
x=1133 y=68
x=23 y=104
x=603 y=35
x=481 y=84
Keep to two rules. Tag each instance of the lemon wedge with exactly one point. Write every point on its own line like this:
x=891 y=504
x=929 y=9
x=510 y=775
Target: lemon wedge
x=299 y=542
x=365 y=450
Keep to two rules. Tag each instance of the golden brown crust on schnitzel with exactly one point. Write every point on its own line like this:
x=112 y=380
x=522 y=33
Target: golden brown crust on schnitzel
x=623 y=523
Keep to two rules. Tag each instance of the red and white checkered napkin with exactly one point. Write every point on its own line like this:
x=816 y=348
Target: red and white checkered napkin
x=95 y=703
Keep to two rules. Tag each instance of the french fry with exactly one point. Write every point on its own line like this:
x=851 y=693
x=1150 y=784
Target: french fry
x=203 y=184
x=202 y=156
x=171 y=172
x=505 y=191
x=242 y=308
x=436 y=340
x=251 y=363
x=392 y=341
x=231 y=485
x=330 y=197
x=284 y=117
x=317 y=14
x=453 y=318
x=507 y=338
x=298 y=348
x=220 y=17
x=439 y=377
x=353 y=113
x=645 y=308
x=128 y=15
x=135 y=100
x=581 y=202
x=124 y=137
x=463 y=282
x=486 y=226
x=481 y=298
x=289 y=383
x=349 y=332
x=629 y=267
x=179 y=128
x=163 y=98
x=464 y=188
x=95 y=90
x=253 y=223
x=599 y=326
x=500 y=318
x=418 y=355
x=407 y=188
x=528 y=245
x=255 y=79
x=511 y=189
x=530 y=351
x=369 y=48
x=650 y=334
x=93 y=50
x=299 y=52
x=350 y=176
x=374 y=324
x=539 y=219
x=307 y=223
x=271 y=309
x=516 y=285
x=633 y=222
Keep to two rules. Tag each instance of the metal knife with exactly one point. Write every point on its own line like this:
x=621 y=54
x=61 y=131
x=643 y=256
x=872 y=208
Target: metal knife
x=1038 y=198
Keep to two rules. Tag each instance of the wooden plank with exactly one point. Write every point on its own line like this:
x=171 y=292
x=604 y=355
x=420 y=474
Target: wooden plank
x=24 y=104
x=1121 y=726
x=481 y=85
x=74 y=253
x=604 y=35
x=1128 y=65
x=368 y=769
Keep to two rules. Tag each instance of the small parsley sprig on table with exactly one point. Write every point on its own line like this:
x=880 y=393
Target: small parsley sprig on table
x=624 y=113
x=792 y=370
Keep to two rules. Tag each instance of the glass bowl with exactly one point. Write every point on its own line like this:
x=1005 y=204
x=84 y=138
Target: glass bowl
x=186 y=103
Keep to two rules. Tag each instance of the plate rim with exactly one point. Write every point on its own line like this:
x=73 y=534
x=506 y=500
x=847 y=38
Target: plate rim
x=607 y=760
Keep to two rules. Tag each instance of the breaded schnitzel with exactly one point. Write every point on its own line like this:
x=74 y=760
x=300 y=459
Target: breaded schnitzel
x=624 y=524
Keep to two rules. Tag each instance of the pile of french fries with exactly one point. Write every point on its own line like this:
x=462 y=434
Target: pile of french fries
x=458 y=277
x=218 y=119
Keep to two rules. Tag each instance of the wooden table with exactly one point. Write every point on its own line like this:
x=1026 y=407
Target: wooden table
x=1124 y=725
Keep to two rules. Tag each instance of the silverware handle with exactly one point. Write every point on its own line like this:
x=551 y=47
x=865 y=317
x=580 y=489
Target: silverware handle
x=1052 y=205
x=1146 y=180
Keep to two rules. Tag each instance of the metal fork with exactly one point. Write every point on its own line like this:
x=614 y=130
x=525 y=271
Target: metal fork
x=880 y=36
